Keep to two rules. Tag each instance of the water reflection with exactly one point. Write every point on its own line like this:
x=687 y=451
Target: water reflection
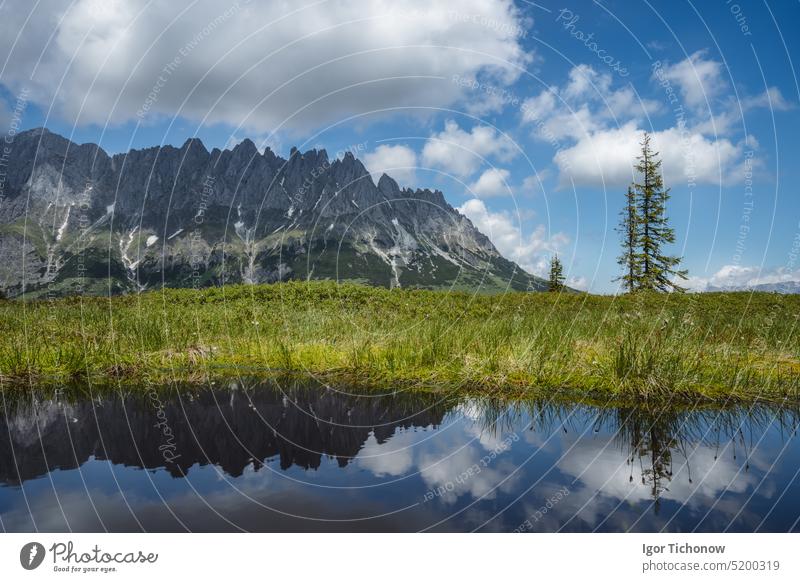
x=233 y=428
x=282 y=457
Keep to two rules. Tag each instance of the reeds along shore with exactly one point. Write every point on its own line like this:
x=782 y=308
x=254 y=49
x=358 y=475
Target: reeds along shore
x=715 y=346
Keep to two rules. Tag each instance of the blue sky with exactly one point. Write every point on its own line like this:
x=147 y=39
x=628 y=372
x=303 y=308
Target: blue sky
x=526 y=115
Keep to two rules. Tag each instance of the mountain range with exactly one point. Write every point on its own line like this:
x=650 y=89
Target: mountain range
x=74 y=219
x=784 y=287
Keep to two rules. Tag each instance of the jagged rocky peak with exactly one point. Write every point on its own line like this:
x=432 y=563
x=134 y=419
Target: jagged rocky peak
x=350 y=168
x=196 y=144
x=388 y=186
x=234 y=215
x=245 y=149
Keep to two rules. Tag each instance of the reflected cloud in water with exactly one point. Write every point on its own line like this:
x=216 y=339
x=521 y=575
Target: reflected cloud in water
x=277 y=456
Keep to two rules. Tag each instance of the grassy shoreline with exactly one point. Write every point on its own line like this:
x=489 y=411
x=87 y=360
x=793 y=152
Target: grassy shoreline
x=654 y=347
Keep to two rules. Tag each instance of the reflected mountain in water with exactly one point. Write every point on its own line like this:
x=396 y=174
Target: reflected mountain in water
x=233 y=428
x=286 y=456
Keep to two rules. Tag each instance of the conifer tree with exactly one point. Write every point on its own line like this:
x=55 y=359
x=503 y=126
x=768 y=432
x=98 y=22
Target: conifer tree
x=629 y=233
x=556 y=281
x=657 y=269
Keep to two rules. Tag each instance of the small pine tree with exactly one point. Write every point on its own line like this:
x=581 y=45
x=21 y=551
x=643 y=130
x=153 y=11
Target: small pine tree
x=657 y=270
x=556 y=281
x=629 y=233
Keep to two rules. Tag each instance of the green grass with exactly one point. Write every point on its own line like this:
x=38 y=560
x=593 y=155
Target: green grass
x=716 y=346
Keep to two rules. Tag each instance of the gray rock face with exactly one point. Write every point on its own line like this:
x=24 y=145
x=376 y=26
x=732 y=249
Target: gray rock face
x=74 y=219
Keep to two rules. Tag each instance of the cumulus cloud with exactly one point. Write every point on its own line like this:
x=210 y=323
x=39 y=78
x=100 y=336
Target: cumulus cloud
x=596 y=128
x=584 y=104
x=393 y=457
x=493 y=182
x=772 y=98
x=602 y=470
x=443 y=474
x=398 y=161
x=531 y=252
x=607 y=157
x=698 y=78
x=539 y=107
x=745 y=277
x=729 y=114
x=259 y=64
x=584 y=81
x=443 y=466
x=461 y=153
x=535 y=183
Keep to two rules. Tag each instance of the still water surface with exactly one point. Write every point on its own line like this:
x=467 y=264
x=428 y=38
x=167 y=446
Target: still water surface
x=258 y=456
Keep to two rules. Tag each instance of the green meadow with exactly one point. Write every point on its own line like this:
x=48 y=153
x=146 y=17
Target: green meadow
x=637 y=347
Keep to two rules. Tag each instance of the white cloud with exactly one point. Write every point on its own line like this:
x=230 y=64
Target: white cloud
x=585 y=82
x=580 y=283
x=460 y=153
x=531 y=252
x=734 y=275
x=744 y=276
x=699 y=79
x=625 y=103
x=584 y=104
x=481 y=104
x=540 y=107
x=256 y=63
x=393 y=457
x=658 y=45
x=596 y=128
x=443 y=470
x=771 y=98
x=699 y=474
x=608 y=157
x=398 y=161
x=574 y=124
x=535 y=182
x=493 y=182
x=730 y=113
